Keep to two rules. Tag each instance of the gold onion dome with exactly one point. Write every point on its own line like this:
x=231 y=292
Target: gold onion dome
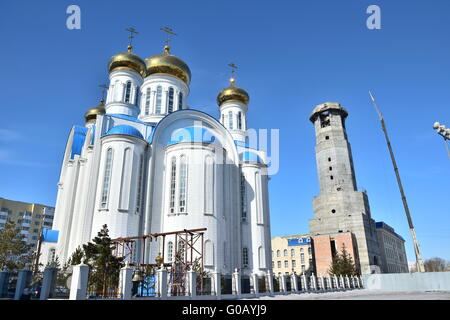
x=233 y=93
x=127 y=60
x=168 y=64
x=91 y=114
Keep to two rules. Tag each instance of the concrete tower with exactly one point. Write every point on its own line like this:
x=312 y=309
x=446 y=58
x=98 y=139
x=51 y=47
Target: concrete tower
x=341 y=213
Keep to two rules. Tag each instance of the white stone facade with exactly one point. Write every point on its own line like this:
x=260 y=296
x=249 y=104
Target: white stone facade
x=139 y=170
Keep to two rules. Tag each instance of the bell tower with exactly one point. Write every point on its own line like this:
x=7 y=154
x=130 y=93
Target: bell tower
x=340 y=208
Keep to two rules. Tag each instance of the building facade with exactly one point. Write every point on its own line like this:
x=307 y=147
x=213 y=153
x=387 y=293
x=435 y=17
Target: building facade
x=393 y=253
x=30 y=218
x=340 y=207
x=145 y=163
x=292 y=254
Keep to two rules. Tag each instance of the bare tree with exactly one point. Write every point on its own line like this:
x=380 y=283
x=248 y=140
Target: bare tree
x=436 y=265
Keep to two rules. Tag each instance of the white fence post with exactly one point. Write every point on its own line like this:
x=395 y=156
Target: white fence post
x=162 y=283
x=125 y=282
x=23 y=281
x=294 y=283
x=192 y=276
x=79 y=283
x=236 y=282
x=255 y=286
x=217 y=285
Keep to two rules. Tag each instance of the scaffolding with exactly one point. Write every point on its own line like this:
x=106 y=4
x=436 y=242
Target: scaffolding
x=183 y=260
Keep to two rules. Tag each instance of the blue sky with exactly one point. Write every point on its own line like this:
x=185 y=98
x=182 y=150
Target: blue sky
x=291 y=55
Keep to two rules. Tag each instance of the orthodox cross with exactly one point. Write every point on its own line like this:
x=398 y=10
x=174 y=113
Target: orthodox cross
x=132 y=31
x=169 y=32
x=233 y=68
x=103 y=91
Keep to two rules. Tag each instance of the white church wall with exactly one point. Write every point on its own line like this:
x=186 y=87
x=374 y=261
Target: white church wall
x=115 y=101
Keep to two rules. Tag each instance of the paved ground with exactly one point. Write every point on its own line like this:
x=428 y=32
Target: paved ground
x=364 y=295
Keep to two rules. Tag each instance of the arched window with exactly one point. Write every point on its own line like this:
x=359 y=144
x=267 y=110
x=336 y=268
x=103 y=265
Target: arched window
x=243 y=198
x=182 y=184
x=169 y=251
x=309 y=250
x=117 y=91
x=302 y=258
x=170 y=102
x=52 y=255
x=292 y=252
x=278 y=253
x=126 y=179
x=301 y=249
x=173 y=176
x=245 y=257
x=158 y=100
x=106 y=177
x=240 y=120
x=223 y=119
x=128 y=92
x=139 y=186
x=147 y=102
x=209 y=185
x=285 y=252
x=230 y=120
x=180 y=100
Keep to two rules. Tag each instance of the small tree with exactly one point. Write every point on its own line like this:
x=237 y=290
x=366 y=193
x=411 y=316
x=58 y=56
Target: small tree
x=342 y=264
x=105 y=267
x=76 y=258
x=15 y=253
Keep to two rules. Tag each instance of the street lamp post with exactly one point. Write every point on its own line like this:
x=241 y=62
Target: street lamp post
x=444 y=133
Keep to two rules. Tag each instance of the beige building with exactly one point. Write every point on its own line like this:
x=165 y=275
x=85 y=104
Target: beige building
x=28 y=217
x=292 y=254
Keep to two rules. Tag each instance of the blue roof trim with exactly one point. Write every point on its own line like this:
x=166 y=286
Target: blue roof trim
x=126 y=130
x=79 y=136
x=192 y=134
x=249 y=156
x=125 y=117
x=50 y=235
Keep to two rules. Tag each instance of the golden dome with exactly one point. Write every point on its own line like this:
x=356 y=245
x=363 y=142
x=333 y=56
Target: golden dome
x=233 y=93
x=127 y=60
x=91 y=114
x=168 y=64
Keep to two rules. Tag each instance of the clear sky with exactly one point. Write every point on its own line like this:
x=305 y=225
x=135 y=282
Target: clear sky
x=291 y=55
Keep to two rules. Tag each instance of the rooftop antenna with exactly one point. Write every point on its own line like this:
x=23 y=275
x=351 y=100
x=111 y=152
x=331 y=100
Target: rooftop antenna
x=132 y=31
x=419 y=262
x=169 y=32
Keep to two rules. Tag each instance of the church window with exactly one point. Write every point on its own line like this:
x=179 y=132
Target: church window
x=180 y=100
x=52 y=255
x=209 y=185
x=330 y=168
x=329 y=159
x=245 y=257
x=106 y=177
x=126 y=179
x=331 y=177
x=170 y=103
x=139 y=186
x=147 y=102
x=183 y=184
x=173 y=173
x=128 y=92
x=239 y=120
x=158 y=100
x=230 y=120
x=243 y=199
x=169 y=251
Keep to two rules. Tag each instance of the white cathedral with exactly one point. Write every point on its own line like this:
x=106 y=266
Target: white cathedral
x=144 y=163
